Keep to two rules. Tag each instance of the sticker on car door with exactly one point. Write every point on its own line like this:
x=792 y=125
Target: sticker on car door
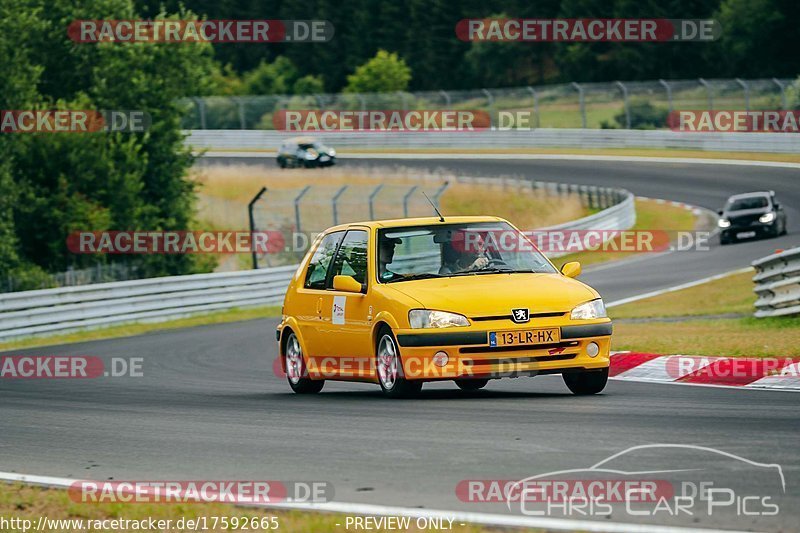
x=338 y=309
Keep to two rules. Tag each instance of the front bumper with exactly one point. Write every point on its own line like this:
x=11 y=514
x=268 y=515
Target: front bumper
x=470 y=356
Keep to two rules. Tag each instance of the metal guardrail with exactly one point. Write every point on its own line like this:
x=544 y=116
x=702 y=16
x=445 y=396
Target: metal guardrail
x=507 y=139
x=777 y=284
x=65 y=309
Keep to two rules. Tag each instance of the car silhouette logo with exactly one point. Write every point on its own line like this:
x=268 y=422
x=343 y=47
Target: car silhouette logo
x=520 y=316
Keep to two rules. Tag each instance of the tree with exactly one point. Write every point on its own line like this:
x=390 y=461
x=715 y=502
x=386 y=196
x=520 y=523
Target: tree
x=386 y=72
x=96 y=181
x=309 y=85
x=271 y=78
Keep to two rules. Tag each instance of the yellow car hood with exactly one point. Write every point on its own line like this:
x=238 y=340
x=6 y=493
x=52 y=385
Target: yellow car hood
x=497 y=294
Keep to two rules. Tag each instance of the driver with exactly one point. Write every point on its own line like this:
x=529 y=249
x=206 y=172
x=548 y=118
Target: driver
x=386 y=256
x=472 y=257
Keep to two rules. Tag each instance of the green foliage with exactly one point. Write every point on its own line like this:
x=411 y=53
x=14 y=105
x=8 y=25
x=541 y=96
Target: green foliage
x=386 y=72
x=57 y=183
x=644 y=116
x=309 y=85
x=277 y=77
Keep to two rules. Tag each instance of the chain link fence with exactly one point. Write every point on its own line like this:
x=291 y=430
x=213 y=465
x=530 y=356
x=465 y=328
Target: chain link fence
x=635 y=104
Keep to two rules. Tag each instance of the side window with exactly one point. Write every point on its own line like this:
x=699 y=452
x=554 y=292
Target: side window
x=318 y=266
x=352 y=257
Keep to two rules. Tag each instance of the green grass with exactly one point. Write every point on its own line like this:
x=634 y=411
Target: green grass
x=650 y=215
x=731 y=294
x=29 y=502
x=661 y=329
x=127 y=330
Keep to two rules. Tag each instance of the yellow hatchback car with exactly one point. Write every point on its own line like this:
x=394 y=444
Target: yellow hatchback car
x=467 y=299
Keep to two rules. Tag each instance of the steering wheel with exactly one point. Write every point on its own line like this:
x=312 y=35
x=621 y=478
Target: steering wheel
x=496 y=263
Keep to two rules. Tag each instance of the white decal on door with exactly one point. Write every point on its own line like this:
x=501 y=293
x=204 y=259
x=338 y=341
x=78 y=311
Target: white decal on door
x=338 y=309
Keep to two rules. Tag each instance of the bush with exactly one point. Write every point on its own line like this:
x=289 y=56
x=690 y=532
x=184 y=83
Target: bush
x=644 y=116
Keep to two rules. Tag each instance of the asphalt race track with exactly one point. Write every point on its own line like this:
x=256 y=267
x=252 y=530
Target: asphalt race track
x=210 y=407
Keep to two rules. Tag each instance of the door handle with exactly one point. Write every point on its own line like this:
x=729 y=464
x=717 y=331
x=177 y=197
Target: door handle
x=319 y=306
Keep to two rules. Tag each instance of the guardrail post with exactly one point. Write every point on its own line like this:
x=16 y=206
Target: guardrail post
x=625 y=103
x=581 y=102
x=252 y=203
x=406 y=198
x=535 y=105
x=403 y=99
x=333 y=204
x=669 y=93
x=372 y=196
x=446 y=98
x=439 y=193
x=705 y=84
x=746 y=89
x=782 y=87
x=490 y=105
x=297 y=207
x=201 y=111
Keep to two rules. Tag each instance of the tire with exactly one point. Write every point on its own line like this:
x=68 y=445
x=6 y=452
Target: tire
x=296 y=372
x=584 y=383
x=389 y=368
x=723 y=240
x=282 y=163
x=471 y=384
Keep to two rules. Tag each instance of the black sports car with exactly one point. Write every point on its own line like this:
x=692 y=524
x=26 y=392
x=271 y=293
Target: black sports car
x=305 y=152
x=752 y=214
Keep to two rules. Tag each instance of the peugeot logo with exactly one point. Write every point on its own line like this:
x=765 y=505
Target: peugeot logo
x=520 y=316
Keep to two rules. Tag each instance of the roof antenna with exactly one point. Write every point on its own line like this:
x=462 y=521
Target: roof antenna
x=441 y=218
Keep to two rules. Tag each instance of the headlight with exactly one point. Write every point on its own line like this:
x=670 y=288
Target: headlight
x=766 y=218
x=723 y=223
x=331 y=152
x=423 y=318
x=311 y=155
x=589 y=310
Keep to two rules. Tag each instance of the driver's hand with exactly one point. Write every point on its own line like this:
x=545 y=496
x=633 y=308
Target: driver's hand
x=479 y=263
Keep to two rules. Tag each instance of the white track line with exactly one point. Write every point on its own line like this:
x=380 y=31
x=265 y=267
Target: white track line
x=677 y=287
x=457 y=516
x=544 y=157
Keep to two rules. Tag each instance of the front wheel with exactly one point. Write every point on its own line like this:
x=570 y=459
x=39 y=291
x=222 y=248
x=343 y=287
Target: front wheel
x=296 y=372
x=390 y=369
x=471 y=384
x=583 y=383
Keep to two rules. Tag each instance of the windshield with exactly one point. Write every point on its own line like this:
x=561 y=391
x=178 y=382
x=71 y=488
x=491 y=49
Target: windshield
x=751 y=202
x=443 y=250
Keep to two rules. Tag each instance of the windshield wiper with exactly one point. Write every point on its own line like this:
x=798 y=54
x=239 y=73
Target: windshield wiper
x=421 y=275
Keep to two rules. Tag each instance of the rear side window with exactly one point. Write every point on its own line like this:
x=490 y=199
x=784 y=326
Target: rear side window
x=317 y=270
x=352 y=257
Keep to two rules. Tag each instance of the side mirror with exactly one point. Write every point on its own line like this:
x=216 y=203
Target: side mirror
x=777 y=206
x=719 y=212
x=346 y=284
x=571 y=269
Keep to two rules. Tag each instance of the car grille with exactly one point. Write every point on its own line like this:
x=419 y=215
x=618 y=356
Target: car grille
x=488 y=318
x=518 y=360
x=744 y=220
x=529 y=347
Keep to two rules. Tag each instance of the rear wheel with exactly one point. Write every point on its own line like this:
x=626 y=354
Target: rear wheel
x=471 y=384
x=583 y=383
x=390 y=368
x=296 y=372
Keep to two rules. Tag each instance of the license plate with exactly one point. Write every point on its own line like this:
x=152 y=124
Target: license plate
x=746 y=234
x=324 y=158
x=522 y=337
